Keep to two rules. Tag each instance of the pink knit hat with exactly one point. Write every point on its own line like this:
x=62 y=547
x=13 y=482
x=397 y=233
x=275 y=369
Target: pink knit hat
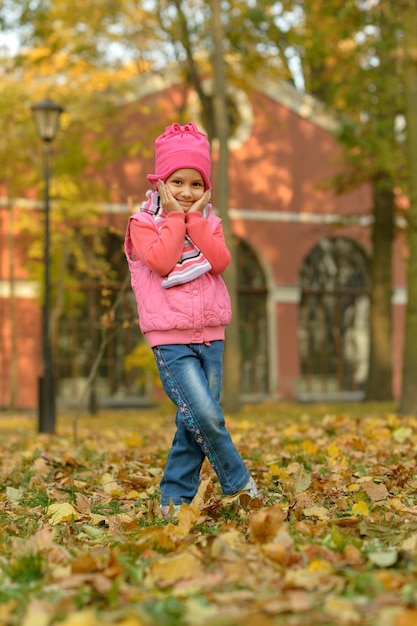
x=181 y=147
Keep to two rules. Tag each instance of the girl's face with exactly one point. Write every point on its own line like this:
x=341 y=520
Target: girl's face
x=186 y=185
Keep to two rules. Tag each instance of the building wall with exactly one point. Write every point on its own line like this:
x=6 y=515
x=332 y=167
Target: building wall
x=280 y=203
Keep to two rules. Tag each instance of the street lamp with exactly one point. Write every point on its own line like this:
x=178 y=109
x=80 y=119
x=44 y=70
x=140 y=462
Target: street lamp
x=46 y=115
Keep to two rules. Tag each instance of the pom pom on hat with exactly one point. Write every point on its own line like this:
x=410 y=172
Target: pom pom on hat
x=181 y=147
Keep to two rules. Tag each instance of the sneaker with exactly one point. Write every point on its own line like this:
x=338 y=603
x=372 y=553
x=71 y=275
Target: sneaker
x=250 y=489
x=169 y=510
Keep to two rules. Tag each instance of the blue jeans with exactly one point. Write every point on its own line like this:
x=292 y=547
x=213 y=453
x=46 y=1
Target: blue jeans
x=192 y=376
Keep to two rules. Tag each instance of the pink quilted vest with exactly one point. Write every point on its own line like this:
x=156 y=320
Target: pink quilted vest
x=193 y=312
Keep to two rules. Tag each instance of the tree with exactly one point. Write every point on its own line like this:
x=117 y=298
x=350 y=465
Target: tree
x=344 y=52
x=408 y=11
x=347 y=54
x=379 y=382
x=15 y=177
x=82 y=53
x=58 y=56
x=232 y=351
x=229 y=43
x=213 y=103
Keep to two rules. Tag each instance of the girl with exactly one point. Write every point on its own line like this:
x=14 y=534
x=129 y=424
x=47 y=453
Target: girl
x=176 y=253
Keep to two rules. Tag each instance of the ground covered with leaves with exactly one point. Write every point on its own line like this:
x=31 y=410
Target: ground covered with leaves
x=332 y=539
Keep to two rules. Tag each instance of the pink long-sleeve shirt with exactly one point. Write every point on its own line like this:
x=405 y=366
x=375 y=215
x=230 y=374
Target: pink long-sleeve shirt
x=194 y=312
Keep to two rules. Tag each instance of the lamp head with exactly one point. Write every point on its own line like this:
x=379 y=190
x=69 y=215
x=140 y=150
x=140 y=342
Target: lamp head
x=46 y=114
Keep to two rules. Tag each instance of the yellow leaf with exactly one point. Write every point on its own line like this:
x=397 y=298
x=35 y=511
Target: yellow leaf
x=7 y=610
x=97 y=519
x=14 y=495
x=293 y=468
x=333 y=450
x=93 y=533
x=61 y=512
x=172 y=568
x=187 y=516
x=228 y=545
x=309 y=447
x=275 y=469
x=110 y=485
x=396 y=504
x=360 y=508
x=133 y=495
x=152 y=536
x=354 y=487
x=316 y=511
x=36 y=613
x=199 y=612
x=410 y=543
x=134 y=440
x=301 y=579
x=337 y=537
x=86 y=617
x=320 y=565
x=337 y=607
x=130 y=620
x=302 y=482
x=28 y=454
x=198 y=499
x=402 y=434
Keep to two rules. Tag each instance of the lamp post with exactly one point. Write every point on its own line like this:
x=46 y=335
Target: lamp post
x=46 y=115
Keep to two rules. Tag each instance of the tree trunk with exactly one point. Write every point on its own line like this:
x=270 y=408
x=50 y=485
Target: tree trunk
x=408 y=401
x=12 y=308
x=231 y=388
x=379 y=383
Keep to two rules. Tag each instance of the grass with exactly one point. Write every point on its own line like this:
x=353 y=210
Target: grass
x=24 y=423
x=305 y=457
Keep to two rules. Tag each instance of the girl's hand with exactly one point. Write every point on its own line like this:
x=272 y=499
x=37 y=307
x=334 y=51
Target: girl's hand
x=167 y=199
x=201 y=203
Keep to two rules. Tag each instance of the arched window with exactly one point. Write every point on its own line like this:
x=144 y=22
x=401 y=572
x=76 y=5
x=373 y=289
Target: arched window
x=252 y=293
x=100 y=319
x=334 y=319
x=95 y=326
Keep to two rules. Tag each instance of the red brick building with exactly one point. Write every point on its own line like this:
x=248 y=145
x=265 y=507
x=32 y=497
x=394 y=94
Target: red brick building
x=303 y=258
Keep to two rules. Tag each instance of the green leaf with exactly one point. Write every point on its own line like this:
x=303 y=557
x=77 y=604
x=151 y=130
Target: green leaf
x=386 y=558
